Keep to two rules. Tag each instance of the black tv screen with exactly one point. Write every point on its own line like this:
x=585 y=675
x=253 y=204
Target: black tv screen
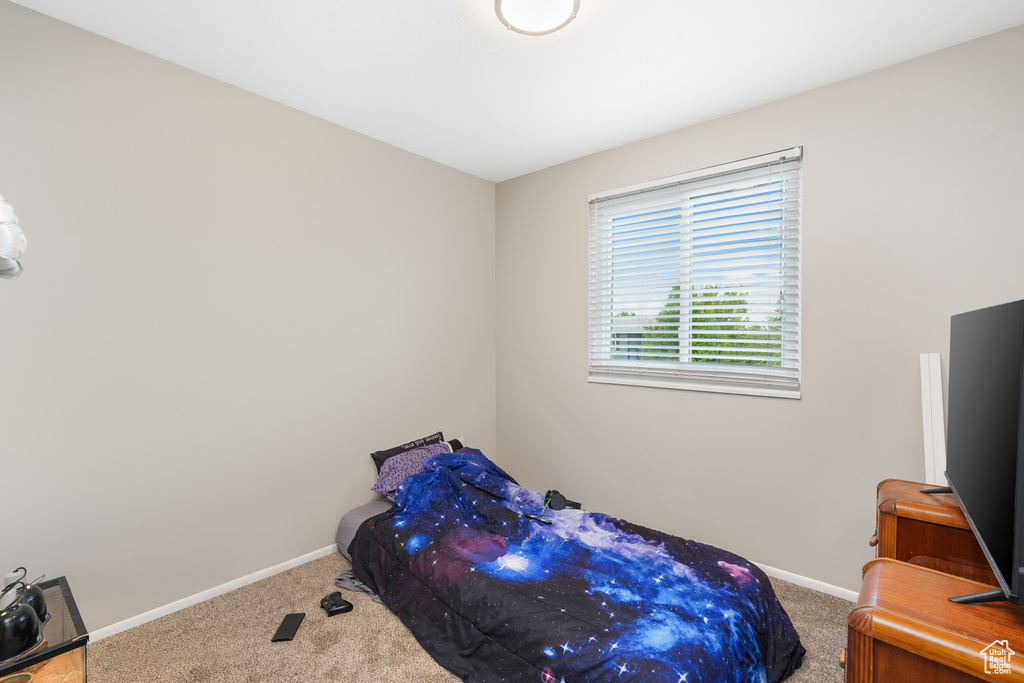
x=983 y=435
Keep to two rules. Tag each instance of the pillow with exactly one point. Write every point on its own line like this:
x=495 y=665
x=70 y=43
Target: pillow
x=380 y=456
x=398 y=467
x=352 y=519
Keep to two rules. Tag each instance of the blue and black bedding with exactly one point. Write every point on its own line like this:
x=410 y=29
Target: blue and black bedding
x=495 y=596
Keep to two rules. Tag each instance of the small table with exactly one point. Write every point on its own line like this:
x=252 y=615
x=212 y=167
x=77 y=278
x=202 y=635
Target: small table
x=61 y=654
x=929 y=530
x=905 y=629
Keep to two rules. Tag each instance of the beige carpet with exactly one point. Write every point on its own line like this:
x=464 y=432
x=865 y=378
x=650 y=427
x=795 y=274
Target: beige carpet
x=227 y=639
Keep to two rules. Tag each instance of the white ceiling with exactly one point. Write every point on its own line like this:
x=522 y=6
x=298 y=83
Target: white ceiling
x=445 y=80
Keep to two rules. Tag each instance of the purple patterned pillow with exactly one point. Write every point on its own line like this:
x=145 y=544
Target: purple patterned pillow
x=398 y=467
x=379 y=457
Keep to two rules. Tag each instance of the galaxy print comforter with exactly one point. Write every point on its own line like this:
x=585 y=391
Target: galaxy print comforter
x=494 y=596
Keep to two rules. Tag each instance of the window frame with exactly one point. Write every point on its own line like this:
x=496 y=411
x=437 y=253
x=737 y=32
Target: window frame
x=726 y=377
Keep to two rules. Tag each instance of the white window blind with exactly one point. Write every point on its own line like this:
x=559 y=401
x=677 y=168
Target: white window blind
x=695 y=279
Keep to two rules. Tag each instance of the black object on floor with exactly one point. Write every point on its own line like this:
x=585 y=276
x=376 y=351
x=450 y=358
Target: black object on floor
x=335 y=604
x=288 y=627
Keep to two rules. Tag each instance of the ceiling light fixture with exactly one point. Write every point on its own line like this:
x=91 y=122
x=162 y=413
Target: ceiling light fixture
x=536 y=17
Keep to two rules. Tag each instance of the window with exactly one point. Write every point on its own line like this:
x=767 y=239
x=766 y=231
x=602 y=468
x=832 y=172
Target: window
x=695 y=280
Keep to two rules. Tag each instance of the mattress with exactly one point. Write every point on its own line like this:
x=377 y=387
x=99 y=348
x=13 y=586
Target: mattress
x=496 y=595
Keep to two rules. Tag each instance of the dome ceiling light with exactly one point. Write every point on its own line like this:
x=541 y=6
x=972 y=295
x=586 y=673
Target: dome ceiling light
x=536 y=17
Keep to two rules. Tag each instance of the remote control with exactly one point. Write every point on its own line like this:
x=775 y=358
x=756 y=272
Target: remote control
x=335 y=604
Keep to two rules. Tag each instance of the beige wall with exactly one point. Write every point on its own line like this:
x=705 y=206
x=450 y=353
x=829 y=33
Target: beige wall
x=226 y=306
x=912 y=185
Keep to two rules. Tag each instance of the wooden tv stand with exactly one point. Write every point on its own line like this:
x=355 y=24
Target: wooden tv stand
x=904 y=629
x=927 y=529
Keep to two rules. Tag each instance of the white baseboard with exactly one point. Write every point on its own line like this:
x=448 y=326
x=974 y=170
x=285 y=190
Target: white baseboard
x=813 y=584
x=207 y=594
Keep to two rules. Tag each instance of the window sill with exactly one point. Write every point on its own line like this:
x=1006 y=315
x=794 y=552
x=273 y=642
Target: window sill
x=689 y=385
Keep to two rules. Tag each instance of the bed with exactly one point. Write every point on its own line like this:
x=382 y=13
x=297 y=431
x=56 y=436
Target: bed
x=569 y=595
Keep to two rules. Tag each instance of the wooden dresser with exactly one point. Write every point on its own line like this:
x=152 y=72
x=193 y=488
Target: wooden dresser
x=905 y=630
x=928 y=530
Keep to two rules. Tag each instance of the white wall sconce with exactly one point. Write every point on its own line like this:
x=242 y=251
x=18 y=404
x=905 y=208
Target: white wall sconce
x=12 y=242
x=536 y=17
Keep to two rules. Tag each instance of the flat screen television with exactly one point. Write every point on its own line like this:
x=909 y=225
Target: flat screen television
x=984 y=448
